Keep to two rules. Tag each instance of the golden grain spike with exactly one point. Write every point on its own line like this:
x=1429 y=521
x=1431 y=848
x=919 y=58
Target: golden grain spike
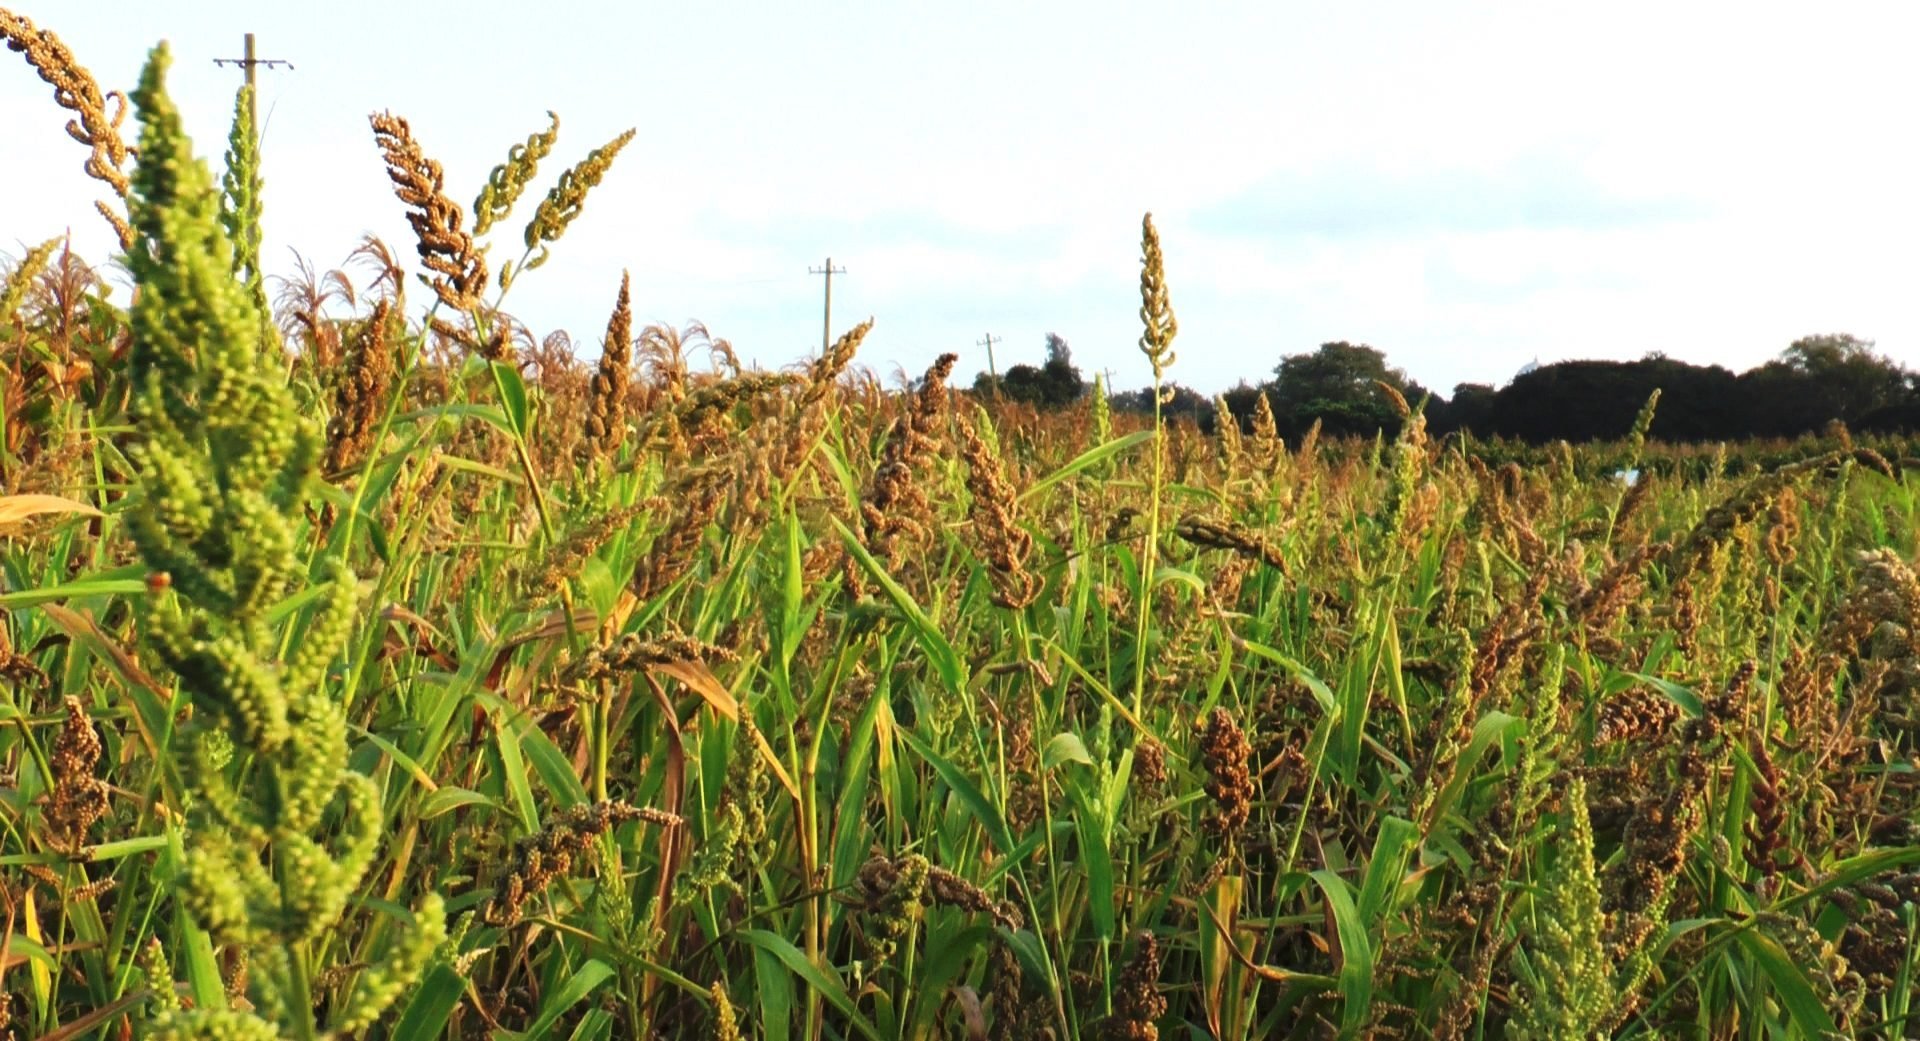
x=828 y=367
x=565 y=200
x=894 y=503
x=13 y=292
x=360 y=395
x=996 y=525
x=607 y=411
x=1397 y=400
x=509 y=180
x=1156 y=306
x=725 y=1026
x=1226 y=431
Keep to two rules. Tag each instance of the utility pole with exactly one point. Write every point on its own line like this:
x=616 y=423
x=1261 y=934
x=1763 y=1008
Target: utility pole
x=249 y=63
x=988 y=341
x=826 y=320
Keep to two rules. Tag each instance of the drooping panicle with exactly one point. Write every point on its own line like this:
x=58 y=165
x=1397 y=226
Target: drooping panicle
x=98 y=114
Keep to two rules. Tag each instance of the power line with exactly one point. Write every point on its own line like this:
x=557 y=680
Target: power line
x=826 y=321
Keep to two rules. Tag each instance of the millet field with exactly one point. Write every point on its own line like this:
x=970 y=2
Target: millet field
x=370 y=669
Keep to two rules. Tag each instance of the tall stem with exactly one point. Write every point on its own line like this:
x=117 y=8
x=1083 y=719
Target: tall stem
x=1145 y=592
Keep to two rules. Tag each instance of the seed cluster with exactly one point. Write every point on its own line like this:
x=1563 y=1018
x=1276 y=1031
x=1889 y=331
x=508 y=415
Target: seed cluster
x=1137 y=1001
x=607 y=416
x=895 y=504
x=79 y=796
x=361 y=393
x=548 y=854
x=1004 y=543
x=97 y=114
x=1225 y=752
x=445 y=247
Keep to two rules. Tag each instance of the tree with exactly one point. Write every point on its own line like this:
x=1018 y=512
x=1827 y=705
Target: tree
x=1339 y=385
x=1598 y=400
x=1059 y=377
x=1055 y=383
x=1176 y=401
x=1847 y=378
x=1470 y=408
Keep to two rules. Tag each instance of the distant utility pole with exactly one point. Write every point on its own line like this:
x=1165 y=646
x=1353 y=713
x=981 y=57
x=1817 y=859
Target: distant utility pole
x=988 y=341
x=826 y=321
x=249 y=63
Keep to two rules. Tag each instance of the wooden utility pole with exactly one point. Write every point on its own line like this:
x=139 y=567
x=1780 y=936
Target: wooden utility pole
x=250 y=62
x=826 y=320
x=988 y=341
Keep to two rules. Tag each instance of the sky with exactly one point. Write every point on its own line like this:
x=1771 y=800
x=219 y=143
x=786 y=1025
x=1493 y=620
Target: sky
x=1467 y=187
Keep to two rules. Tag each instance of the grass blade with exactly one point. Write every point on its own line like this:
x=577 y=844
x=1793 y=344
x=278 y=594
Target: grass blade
x=1356 y=953
x=824 y=983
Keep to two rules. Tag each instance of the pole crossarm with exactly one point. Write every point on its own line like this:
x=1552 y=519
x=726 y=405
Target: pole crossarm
x=250 y=60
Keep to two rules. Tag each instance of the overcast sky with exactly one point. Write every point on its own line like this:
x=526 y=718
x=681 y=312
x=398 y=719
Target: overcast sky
x=1466 y=187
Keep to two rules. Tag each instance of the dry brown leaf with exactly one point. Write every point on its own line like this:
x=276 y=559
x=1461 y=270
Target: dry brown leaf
x=15 y=509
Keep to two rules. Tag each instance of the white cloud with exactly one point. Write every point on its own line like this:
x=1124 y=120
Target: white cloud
x=1465 y=186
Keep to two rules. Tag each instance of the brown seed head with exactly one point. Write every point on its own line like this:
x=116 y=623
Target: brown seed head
x=895 y=505
x=1220 y=533
x=1766 y=825
x=563 y=559
x=444 y=247
x=827 y=368
x=891 y=894
x=996 y=525
x=951 y=890
x=1137 y=1001
x=1635 y=715
x=79 y=798
x=1149 y=763
x=700 y=494
x=360 y=393
x=75 y=90
x=1225 y=751
x=607 y=411
x=542 y=857
x=633 y=652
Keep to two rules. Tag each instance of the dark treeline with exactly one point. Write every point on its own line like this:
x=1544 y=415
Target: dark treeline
x=1815 y=381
